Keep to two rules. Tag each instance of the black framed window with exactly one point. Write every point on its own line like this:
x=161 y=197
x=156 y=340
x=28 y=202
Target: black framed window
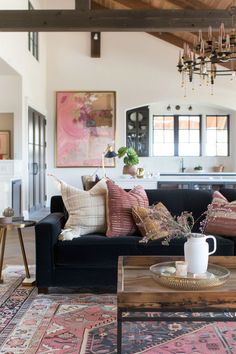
x=33 y=39
x=189 y=133
x=217 y=135
x=177 y=135
x=163 y=136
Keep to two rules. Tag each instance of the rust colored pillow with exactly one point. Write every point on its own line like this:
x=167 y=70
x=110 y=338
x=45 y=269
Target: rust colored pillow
x=153 y=222
x=221 y=218
x=119 y=209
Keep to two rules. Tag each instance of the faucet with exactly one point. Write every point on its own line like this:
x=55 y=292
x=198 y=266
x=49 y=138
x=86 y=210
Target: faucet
x=182 y=165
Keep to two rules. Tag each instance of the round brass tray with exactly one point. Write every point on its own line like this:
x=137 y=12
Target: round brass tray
x=164 y=274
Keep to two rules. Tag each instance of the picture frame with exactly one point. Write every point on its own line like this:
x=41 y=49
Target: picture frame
x=5 y=144
x=85 y=124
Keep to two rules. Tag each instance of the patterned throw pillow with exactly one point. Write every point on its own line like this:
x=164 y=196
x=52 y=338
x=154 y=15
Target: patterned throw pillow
x=119 y=209
x=221 y=219
x=153 y=222
x=86 y=209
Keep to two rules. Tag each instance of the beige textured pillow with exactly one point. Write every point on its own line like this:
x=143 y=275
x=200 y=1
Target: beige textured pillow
x=153 y=228
x=87 y=209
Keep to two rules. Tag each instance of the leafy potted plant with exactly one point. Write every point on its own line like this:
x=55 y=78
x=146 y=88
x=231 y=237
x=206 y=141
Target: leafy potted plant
x=130 y=159
x=198 y=168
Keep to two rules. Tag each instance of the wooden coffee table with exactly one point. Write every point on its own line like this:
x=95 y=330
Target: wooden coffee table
x=138 y=292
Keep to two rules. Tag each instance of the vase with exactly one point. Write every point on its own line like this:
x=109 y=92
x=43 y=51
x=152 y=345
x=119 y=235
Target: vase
x=196 y=252
x=129 y=170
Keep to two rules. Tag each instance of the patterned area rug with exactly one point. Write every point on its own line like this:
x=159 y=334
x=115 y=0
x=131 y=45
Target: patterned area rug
x=86 y=323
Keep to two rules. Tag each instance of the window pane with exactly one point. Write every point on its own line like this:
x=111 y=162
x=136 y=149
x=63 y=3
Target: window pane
x=190 y=149
x=211 y=122
x=222 y=122
x=169 y=136
x=194 y=136
x=217 y=136
x=210 y=149
x=163 y=150
x=194 y=122
x=169 y=122
x=222 y=136
x=158 y=136
x=183 y=136
x=222 y=149
x=183 y=122
x=158 y=123
x=211 y=136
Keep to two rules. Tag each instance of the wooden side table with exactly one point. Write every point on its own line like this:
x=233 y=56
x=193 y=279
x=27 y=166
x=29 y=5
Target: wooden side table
x=15 y=225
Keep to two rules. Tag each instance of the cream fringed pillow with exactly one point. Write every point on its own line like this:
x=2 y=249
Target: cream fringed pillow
x=153 y=222
x=86 y=209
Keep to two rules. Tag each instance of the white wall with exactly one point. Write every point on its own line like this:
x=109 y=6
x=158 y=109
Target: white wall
x=142 y=70
x=22 y=84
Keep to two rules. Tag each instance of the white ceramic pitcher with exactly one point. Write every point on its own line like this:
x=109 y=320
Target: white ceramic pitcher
x=196 y=252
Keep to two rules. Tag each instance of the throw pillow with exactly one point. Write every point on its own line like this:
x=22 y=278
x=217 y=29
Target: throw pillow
x=153 y=222
x=86 y=209
x=221 y=216
x=119 y=209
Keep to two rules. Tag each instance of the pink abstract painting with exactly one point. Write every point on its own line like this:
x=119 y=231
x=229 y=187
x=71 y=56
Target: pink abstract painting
x=85 y=125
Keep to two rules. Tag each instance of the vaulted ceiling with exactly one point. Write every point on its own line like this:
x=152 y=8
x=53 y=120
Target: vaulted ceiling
x=176 y=38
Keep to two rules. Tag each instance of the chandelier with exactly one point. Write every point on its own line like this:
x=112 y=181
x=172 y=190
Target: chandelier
x=205 y=54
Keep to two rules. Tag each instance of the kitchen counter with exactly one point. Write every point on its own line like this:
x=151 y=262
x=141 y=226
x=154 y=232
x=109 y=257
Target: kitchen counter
x=179 y=180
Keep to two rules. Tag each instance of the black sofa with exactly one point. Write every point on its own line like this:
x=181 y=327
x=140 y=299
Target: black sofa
x=90 y=262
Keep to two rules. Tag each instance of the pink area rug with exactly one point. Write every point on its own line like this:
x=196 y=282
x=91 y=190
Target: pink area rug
x=86 y=323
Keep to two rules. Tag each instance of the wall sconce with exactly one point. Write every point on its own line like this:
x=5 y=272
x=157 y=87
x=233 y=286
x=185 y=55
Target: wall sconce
x=95 y=36
x=168 y=107
x=177 y=107
x=95 y=44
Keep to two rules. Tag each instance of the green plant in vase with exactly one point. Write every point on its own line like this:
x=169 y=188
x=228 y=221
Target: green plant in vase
x=130 y=158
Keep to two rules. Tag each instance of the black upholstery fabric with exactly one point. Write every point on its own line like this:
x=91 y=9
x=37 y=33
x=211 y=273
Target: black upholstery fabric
x=105 y=251
x=229 y=193
x=90 y=261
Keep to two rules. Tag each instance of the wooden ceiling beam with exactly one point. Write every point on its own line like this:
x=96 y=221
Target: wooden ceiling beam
x=113 y=20
x=128 y=4
x=82 y=5
x=190 y=5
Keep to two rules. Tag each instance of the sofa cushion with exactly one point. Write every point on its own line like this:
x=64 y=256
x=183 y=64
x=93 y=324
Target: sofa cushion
x=153 y=222
x=119 y=209
x=97 y=250
x=221 y=216
x=87 y=209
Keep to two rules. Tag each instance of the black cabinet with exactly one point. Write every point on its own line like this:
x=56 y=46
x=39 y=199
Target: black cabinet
x=137 y=130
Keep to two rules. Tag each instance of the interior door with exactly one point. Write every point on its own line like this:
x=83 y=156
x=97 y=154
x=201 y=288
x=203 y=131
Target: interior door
x=37 y=165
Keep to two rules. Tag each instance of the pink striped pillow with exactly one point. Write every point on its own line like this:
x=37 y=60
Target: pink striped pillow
x=119 y=209
x=221 y=216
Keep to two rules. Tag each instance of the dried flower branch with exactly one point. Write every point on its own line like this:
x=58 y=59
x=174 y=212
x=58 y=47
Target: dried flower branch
x=170 y=227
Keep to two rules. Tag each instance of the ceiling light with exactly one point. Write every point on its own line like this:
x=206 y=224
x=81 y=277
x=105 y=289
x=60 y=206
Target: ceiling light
x=205 y=54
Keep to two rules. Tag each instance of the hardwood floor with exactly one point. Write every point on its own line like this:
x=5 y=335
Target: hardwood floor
x=13 y=255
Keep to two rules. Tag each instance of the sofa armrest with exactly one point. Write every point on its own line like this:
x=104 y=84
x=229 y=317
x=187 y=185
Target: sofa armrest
x=46 y=235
